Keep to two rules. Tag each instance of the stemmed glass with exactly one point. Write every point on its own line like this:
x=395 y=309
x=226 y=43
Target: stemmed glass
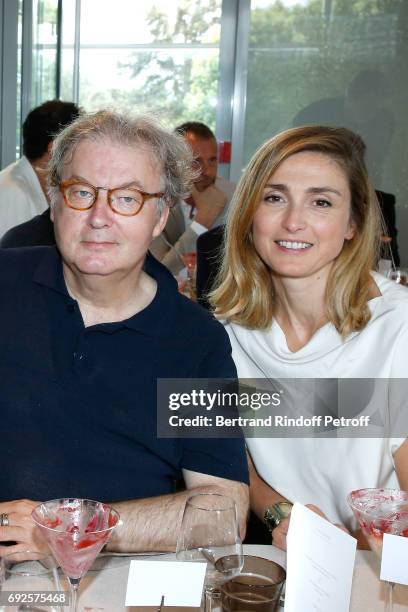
x=76 y=530
x=190 y=262
x=209 y=533
x=399 y=275
x=380 y=511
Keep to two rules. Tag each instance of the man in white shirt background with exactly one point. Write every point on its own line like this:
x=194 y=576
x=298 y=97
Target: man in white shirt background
x=22 y=183
x=206 y=206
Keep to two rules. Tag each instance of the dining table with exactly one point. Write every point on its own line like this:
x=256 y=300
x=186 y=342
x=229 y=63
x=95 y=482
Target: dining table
x=103 y=589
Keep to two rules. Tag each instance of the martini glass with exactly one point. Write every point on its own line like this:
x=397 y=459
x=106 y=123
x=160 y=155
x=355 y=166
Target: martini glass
x=76 y=530
x=380 y=511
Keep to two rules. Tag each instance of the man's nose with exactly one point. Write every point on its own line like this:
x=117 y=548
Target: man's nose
x=203 y=166
x=101 y=214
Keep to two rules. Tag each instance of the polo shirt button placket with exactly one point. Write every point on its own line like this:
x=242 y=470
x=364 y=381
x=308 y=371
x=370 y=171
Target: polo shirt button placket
x=79 y=355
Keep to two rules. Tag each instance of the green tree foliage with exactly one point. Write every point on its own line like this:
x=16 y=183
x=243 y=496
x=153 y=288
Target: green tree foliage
x=302 y=53
x=180 y=82
x=44 y=60
x=47 y=11
x=299 y=53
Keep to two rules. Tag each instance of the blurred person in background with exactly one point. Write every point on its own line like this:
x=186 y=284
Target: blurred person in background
x=205 y=207
x=23 y=183
x=364 y=107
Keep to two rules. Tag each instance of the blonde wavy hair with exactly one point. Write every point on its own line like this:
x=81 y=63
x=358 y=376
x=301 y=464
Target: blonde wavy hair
x=245 y=291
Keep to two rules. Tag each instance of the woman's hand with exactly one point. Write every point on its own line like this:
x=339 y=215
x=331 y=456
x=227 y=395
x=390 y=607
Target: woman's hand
x=21 y=529
x=281 y=531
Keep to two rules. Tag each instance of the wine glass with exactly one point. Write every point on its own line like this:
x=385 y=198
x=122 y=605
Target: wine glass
x=190 y=262
x=380 y=511
x=29 y=581
x=76 y=530
x=398 y=275
x=209 y=533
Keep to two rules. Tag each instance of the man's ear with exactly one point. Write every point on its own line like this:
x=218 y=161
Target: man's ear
x=49 y=147
x=161 y=222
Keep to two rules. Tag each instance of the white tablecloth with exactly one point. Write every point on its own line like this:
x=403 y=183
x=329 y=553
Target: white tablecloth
x=104 y=590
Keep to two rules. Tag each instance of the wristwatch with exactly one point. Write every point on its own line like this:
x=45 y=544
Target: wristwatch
x=274 y=514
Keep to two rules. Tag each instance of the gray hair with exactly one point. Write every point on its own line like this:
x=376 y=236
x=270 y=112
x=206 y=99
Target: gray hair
x=170 y=150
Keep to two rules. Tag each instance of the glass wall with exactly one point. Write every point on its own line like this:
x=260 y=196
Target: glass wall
x=67 y=84
x=10 y=78
x=161 y=57
x=37 y=58
x=335 y=62
x=19 y=76
x=44 y=57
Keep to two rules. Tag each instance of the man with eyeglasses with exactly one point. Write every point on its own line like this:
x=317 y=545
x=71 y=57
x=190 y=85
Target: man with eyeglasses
x=204 y=208
x=86 y=329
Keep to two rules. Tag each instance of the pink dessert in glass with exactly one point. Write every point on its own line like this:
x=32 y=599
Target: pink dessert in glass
x=380 y=511
x=76 y=530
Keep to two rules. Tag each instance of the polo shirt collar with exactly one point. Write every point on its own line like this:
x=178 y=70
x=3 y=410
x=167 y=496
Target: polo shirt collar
x=49 y=271
x=154 y=320
x=157 y=318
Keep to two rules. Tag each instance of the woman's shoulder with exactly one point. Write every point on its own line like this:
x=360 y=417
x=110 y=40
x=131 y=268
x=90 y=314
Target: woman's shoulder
x=389 y=311
x=259 y=344
x=393 y=295
x=237 y=330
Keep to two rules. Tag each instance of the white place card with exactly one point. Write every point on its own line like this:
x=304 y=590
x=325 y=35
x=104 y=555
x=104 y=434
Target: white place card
x=394 y=560
x=179 y=582
x=320 y=563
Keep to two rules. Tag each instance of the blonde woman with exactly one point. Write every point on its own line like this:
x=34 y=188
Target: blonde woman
x=300 y=300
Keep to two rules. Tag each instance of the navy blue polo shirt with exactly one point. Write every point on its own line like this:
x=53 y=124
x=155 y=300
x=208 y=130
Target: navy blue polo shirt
x=78 y=405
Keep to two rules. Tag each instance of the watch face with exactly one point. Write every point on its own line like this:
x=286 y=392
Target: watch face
x=274 y=514
x=284 y=508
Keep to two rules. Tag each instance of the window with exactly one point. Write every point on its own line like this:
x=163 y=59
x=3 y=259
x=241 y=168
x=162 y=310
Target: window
x=44 y=57
x=157 y=56
x=332 y=62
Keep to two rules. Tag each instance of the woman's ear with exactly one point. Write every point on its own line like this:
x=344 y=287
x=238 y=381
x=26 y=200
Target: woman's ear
x=351 y=230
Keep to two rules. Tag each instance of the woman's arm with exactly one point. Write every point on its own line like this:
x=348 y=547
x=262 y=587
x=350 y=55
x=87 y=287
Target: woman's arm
x=262 y=496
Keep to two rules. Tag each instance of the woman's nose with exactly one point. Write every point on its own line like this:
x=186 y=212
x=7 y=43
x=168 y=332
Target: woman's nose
x=294 y=218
